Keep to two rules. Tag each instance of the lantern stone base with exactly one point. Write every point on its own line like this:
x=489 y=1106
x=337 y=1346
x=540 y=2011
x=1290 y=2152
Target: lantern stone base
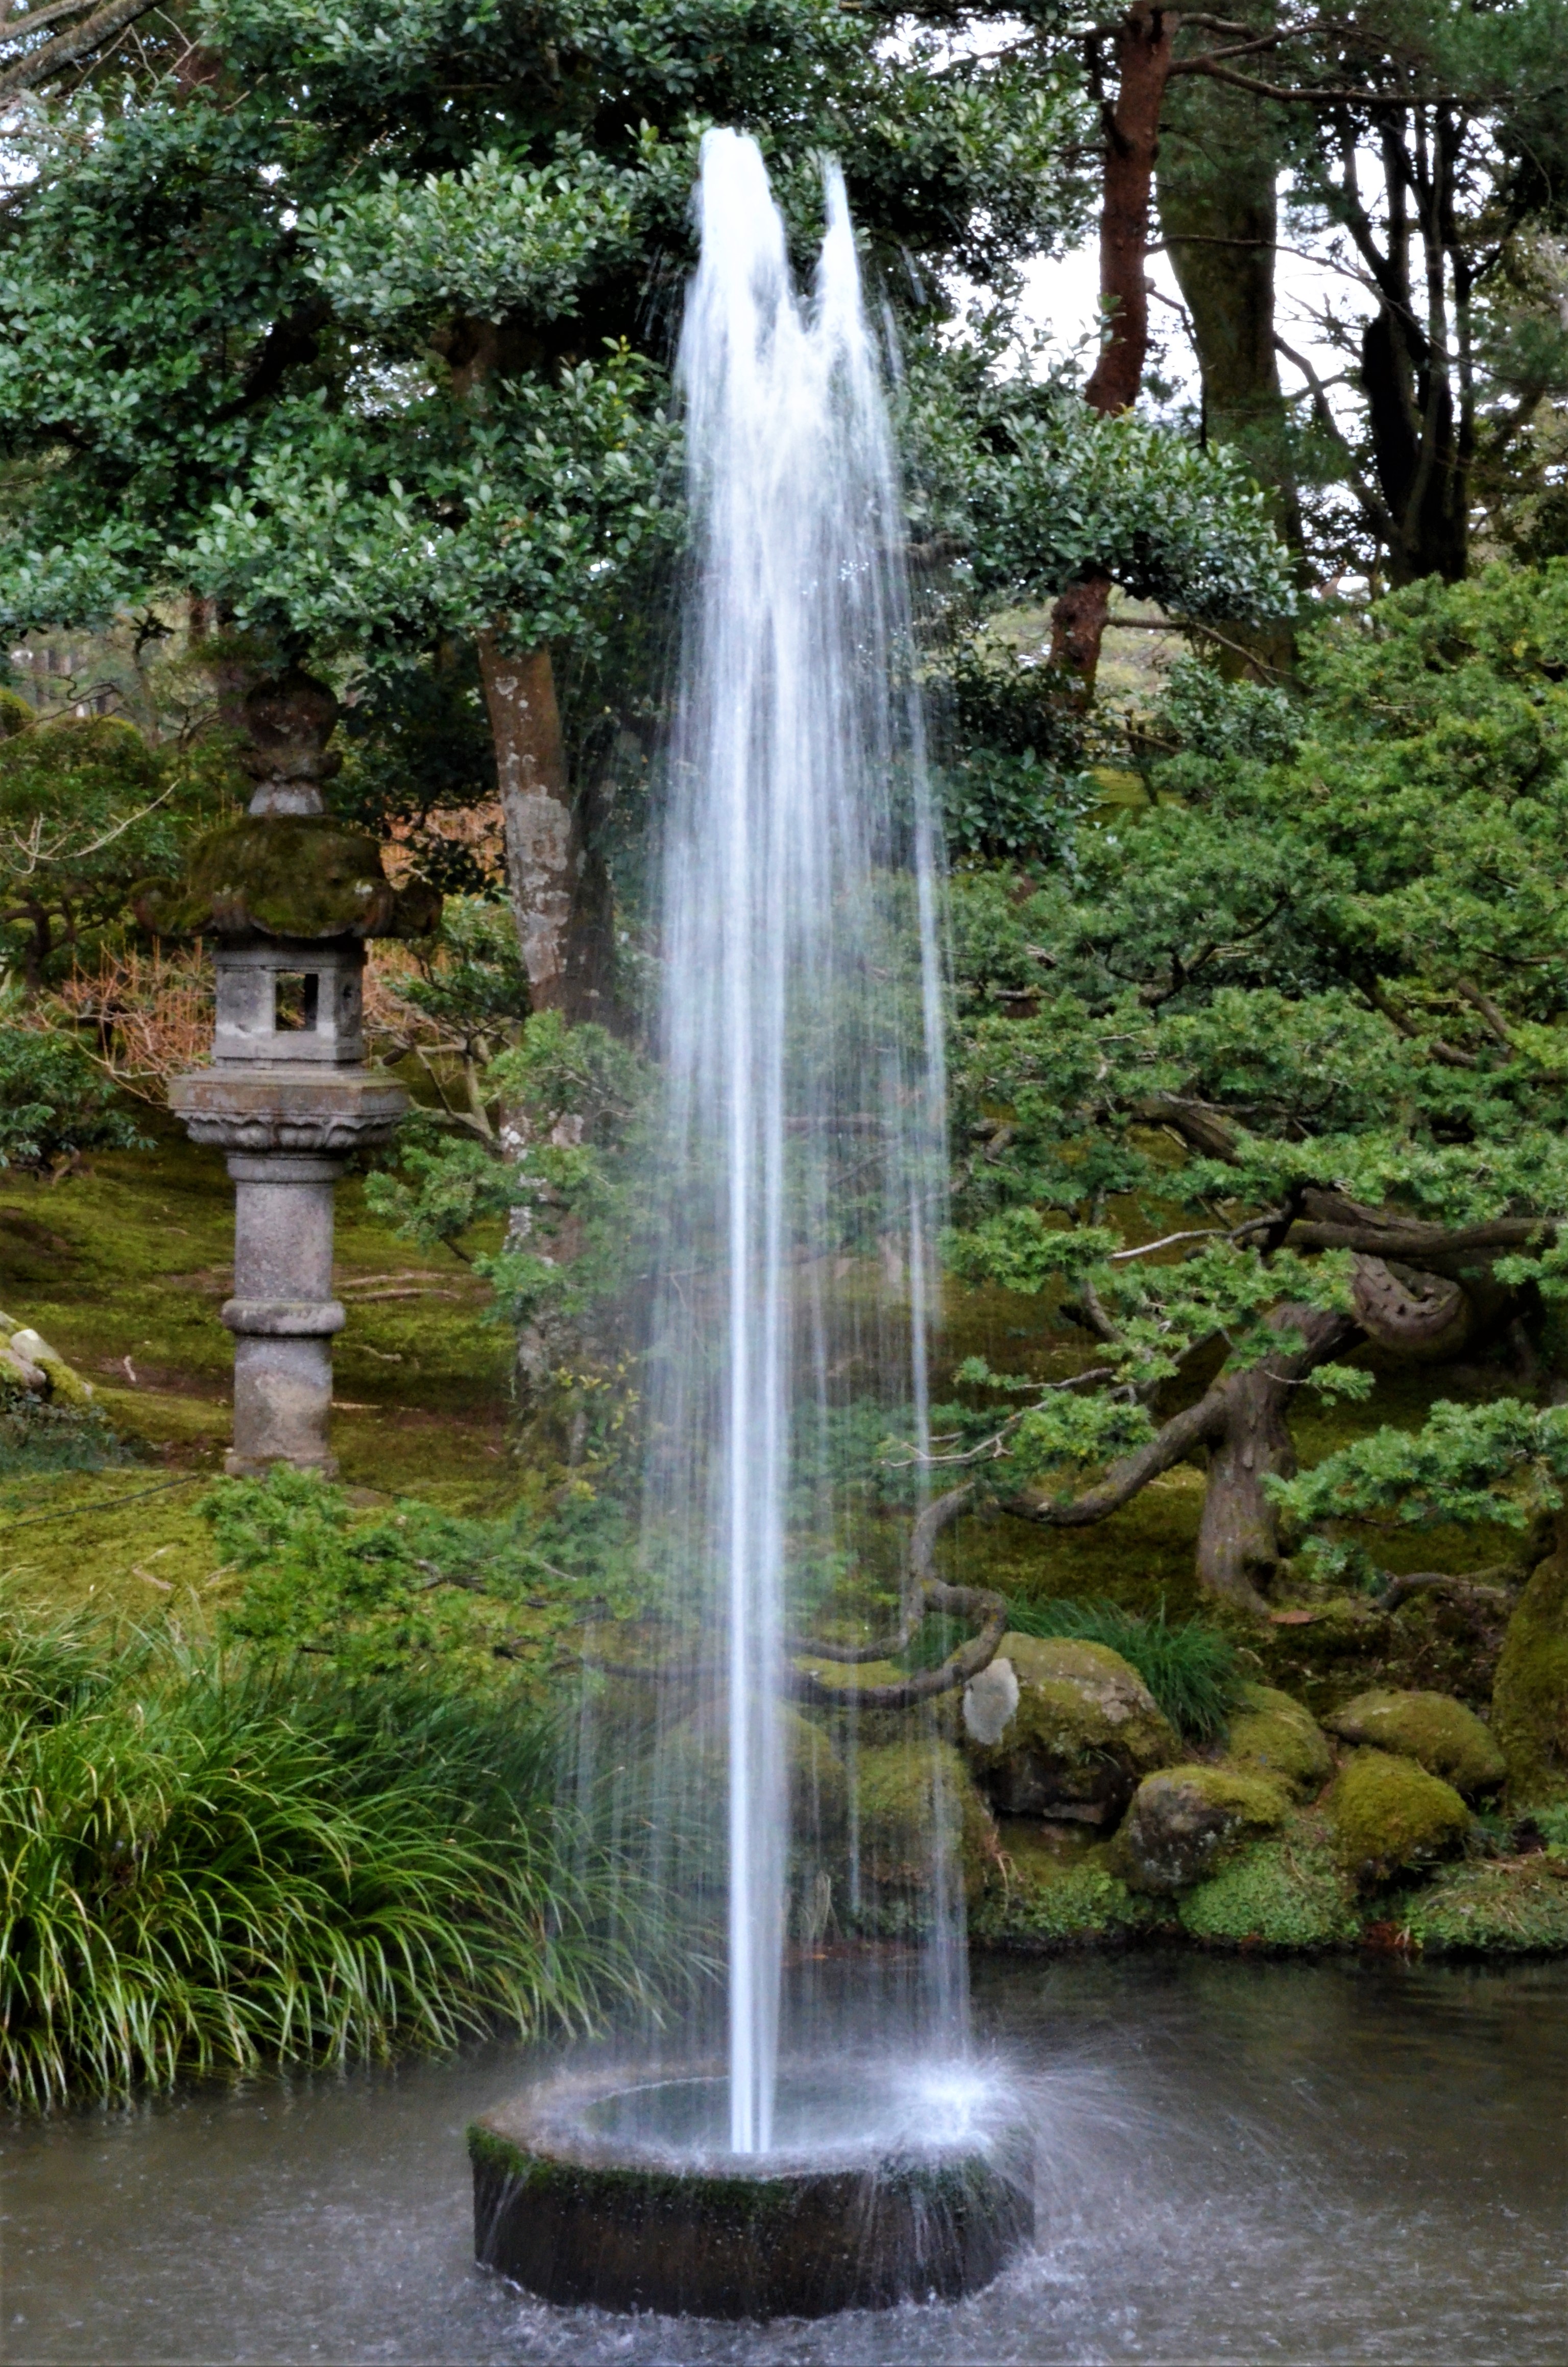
x=288 y=1133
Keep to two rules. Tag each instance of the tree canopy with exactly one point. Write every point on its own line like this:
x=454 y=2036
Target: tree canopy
x=355 y=329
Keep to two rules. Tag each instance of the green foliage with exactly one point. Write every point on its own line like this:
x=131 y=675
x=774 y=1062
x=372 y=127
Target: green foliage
x=38 y=1435
x=407 y=1593
x=420 y=755
x=208 y=1870
x=355 y=335
x=467 y=999
x=1518 y=1909
x=54 y=1105
x=1208 y=719
x=1013 y=784
x=1043 y=1904
x=1035 y=489
x=88 y=808
x=556 y=1161
x=1189 y=1668
x=1500 y=1463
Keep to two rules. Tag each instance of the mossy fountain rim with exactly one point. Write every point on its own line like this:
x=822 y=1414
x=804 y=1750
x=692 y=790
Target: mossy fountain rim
x=578 y=2217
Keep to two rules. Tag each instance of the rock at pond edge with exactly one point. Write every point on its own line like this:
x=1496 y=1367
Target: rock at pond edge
x=1434 y=1729
x=1529 y=1699
x=1085 y=1730
x=1184 y=1819
x=1390 y=1817
x=1272 y=1735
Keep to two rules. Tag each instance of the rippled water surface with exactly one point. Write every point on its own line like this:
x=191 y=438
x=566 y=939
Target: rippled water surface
x=1236 y=2162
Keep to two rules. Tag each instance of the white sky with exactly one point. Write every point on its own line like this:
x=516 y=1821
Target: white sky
x=1063 y=297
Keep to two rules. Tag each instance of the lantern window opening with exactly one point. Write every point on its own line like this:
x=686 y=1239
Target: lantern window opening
x=296 y=1001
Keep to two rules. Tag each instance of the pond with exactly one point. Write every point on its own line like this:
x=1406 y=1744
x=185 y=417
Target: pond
x=1239 y=2161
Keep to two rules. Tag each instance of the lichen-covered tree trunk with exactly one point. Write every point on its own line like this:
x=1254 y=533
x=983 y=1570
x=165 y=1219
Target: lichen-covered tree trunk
x=560 y=891
x=1239 y=1539
x=1216 y=172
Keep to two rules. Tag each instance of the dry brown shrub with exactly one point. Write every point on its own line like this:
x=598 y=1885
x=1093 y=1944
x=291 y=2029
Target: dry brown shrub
x=143 y=1017
x=146 y=1017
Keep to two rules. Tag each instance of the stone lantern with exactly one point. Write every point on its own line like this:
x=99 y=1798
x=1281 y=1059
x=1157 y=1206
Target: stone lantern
x=288 y=897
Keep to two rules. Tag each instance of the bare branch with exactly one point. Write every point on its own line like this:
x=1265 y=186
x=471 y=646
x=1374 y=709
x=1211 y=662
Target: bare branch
x=1478 y=1588
x=68 y=49
x=1496 y=1025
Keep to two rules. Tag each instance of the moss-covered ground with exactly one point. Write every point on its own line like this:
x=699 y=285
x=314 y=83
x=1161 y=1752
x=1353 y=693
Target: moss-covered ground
x=123 y=1269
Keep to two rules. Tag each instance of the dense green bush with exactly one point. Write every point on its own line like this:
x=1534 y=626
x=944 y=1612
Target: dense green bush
x=53 y=1104
x=38 y=1435
x=1273 y=1070
x=208 y=1867
x=410 y=1590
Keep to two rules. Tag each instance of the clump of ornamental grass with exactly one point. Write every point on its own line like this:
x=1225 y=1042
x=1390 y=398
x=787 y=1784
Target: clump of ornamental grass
x=206 y=1867
x=1191 y=1669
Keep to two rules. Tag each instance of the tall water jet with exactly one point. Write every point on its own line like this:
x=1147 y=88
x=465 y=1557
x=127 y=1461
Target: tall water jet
x=795 y=1051
x=796 y=1193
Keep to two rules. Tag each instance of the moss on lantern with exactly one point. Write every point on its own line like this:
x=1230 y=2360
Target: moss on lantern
x=286 y=875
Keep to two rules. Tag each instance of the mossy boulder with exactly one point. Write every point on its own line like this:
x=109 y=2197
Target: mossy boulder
x=1085 y=1733
x=905 y=1794
x=19 y=1378
x=1185 y=1819
x=26 y=1352
x=696 y=1759
x=1273 y=1736
x=1041 y=1901
x=1517 y=1906
x=285 y=875
x=1284 y=1892
x=1434 y=1729
x=1390 y=1817
x=1529 y=1699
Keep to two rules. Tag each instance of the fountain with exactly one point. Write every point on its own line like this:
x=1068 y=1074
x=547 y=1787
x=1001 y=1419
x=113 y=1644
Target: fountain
x=824 y=2143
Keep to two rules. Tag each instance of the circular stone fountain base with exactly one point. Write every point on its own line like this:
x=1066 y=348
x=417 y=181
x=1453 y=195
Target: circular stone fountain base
x=618 y=2195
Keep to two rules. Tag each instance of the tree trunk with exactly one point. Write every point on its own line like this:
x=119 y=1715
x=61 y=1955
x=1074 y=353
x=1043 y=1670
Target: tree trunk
x=1420 y=449
x=1218 y=163
x=1144 y=40
x=1238 y=1537
x=559 y=892
x=558 y=882
x=1238 y=1544
x=1077 y=628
